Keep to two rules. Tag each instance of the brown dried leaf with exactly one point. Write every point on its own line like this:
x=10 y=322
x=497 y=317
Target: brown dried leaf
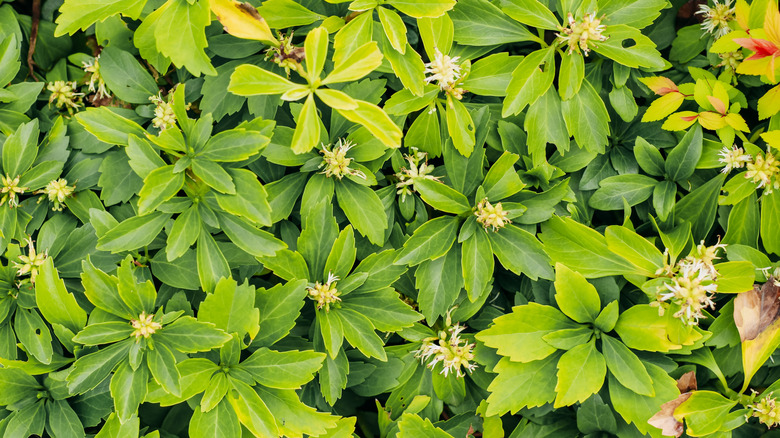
x=664 y=419
x=756 y=310
x=687 y=382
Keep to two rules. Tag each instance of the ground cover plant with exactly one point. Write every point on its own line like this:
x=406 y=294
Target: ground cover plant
x=389 y=218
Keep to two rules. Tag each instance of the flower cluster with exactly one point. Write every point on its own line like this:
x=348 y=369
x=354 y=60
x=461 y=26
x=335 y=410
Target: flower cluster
x=336 y=162
x=164 y=117
x=450 y=349
x=325 y=294
x=31 y=262
x=57 y=190
x=763 y=170
x=286 y=55
x=96 y=83
x=144 y=326
x=492 y=216
x=446 y=72
x=692 y=286
x=63 y=95
x=716 y=18
x=767 y=411
x=734 y=158
x=418 y=169
x=10 y=190
x=581 y=34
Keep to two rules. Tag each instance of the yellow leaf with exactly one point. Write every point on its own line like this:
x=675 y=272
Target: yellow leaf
x=663 y=106
x=772 y=138
x=711 y=120
x=242 y=20
x=737 y=122
x=769 y=103
x=772 y=23
x=680 y=121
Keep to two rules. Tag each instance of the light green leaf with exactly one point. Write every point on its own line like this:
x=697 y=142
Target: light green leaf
x=626 y=366
x=432 y=240
x=79 y=14
x=282 y=370
x=364 y=210
x=531 y=13
x=576 y=297
x=54 y=301
x=581 y=373
x=232 y=308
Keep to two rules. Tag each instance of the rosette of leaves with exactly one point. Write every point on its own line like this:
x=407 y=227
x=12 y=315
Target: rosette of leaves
x=220 y=195
x=363 y=207
x=361 y=299
x=139 y=340
x=257 y=392
x=248 y=80
x=563 y=354
x=458 y=243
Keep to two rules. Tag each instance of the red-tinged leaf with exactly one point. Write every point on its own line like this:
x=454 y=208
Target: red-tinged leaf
x=660 y=85
x=680 y=121
x=762 y=48
x=718 y=104
x=711 y=120
x=663 y=106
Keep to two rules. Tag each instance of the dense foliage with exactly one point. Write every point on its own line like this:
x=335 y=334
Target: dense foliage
x=381 y=218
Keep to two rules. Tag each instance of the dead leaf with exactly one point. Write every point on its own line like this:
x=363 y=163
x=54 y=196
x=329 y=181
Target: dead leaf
x=664 y=419
x=242 y=20
x=687 y=382
x=756 y=310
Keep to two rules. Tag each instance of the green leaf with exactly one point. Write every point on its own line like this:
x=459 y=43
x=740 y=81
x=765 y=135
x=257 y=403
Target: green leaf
x=634 y=248
x=439 y=283
x=360 y=334
x=250 y=80
x=648 y=157
x=212 y=264
x=104 y=333
x=62 y=420
x=218 y=422
x=231 y=308
x=376 y=121
x=531 y=13
x=490 y=75
x=128 y=389
x=162 y=364
x=80 y=14
x=33 y=334
x=576 y=297
x=641 y=328
x=282 y=370
x=626 y=366
x=383 y=308
x=481 y=23
x=633 y=188
x=20 y=149
x=213 y=175
x=316 y=47
x=587 y=118
x=101 y=290
x=159 y=186
x=125 y=77
x=185 y=231
x=770 y=215
x=520 y=252
x=521 y=385
x=364 y=210
x=248 y=237
x=108 y=126
x=442 y=197
x=250 y=200
x=394 y=27
x=432 y=240
x=307 y=131
x=133 y=233
x=681 y=162
x=233 y=145
x=518 y=335
x=460 y=126
x=295 y=418
x=502 y=180
x=530 y=80
x=699 y=207
x=287 y=264
x=641 y=54
x=572 y=72
x=90 y=370
x=251 y=410
x=477 y=263
x=418 y=9
x=17 y=386
x=342 y=254
x=412 y=426
x=581 y=373
x=361 y=61
x=54 y=302
x=279 y=308
x=180 y=35
x=594 y=416
x=704 y=412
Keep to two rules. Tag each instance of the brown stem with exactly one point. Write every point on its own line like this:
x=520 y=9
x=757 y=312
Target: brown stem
x=36 y=18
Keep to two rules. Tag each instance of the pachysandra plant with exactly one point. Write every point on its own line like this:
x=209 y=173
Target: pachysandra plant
x=389 y=218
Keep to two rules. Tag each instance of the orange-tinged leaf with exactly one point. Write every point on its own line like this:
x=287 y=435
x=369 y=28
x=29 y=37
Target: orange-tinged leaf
x=737 y=122
x=242 y=20
x=660 y=85
x=718 y=104
x=663 y=106
x=755 y=67
x=756 y=310
x=711 y=120
x=680 y=121
x=769 y=104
